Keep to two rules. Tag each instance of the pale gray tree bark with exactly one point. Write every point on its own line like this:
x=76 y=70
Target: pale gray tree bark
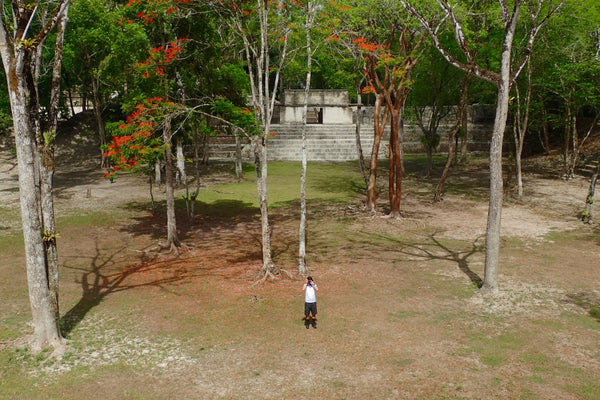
x=503 y=81
x=264 y=79
x=521 y=126
x=310 y=17
x=172 y=238
x=20 y=49
x=181 y=174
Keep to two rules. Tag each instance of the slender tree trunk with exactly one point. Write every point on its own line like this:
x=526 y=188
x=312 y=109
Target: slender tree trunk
x=302 y=268
x=151 y=189
x=460 y=112
x=260 y=155
x=239 y=171
x=181 y=174
x=172 y=237
x=157 y=173
x=492 y=238
x=361 y=157
x=567 y=152
x=586 y=216
x=98 y=117
x=395 y=175
x=575 y=145
x=521 y=126
x=379 y=123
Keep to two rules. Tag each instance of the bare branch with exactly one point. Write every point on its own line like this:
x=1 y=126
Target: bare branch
x=469 y=67
x=533 y=34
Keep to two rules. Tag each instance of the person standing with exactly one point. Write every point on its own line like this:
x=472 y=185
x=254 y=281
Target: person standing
x=310 y=302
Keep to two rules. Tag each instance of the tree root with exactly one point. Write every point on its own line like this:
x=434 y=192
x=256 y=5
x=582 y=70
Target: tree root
x=271 y=272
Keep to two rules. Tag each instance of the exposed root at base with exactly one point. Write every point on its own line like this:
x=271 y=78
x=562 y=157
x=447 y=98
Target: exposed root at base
x=271 y=273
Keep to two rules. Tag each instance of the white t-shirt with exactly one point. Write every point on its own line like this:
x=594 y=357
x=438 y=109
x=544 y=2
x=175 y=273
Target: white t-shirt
x=310 y=295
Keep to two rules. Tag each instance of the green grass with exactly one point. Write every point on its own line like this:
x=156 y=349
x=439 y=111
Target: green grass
x=330 y=182
x=495 y=349
x=96 y=218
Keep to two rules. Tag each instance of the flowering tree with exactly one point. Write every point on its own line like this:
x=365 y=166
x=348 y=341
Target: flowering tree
x=151 y=122
x=390 y=48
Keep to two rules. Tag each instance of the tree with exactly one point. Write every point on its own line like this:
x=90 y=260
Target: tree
x=434 y=92
x=538 y=13
x=21 y=42
x=152 y=117
x=567 y=70
x=311 y=9
x=452 y=137
x=102 y=48
x=390 y=48
x=263 y=28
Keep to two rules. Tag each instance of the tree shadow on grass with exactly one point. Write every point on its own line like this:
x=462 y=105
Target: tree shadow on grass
x=459 y=257
x=430 y=250
x=219 y=215
x=104 y=277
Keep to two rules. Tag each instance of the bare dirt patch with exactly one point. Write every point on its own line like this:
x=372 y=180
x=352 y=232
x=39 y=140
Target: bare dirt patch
x=399 y=314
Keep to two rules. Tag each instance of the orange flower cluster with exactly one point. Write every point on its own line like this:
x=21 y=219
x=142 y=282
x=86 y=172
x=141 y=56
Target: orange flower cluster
x=367 y=46
x=369 y=89
x=161 y=56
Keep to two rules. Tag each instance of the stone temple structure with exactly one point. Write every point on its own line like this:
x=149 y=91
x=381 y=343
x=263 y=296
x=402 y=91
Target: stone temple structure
x=331 y=129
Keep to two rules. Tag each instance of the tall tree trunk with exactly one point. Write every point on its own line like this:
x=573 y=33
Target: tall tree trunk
x=98 y=117
x=47 y=145
x=575 y=145
x=567 y=153
x=586 y=215
x=260 y=156
x=34 y=148
x=359 y=150
x=492 y=238
x=157 y=173
x=302 y=268
x=379 y=123
x=395 y=175
x=172 y=237
x=503 y=82
x=520 y=127
x=181 y=174
x=460 y=112
x=239 y=171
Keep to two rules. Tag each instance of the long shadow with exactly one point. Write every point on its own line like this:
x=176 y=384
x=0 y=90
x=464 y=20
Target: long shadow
x=221 y=215
x=425 y=251
x=99 y=282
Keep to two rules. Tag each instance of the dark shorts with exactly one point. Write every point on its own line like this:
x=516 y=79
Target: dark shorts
x=310 y=308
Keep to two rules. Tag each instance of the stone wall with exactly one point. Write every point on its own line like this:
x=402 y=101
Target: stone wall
x=337 y=142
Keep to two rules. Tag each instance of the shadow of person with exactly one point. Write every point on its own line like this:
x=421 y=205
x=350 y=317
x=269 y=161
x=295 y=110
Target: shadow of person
x=309 y=321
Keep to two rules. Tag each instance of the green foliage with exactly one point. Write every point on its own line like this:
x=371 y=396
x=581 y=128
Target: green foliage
x=239 y=117
x=5 y=122
x=431 y=141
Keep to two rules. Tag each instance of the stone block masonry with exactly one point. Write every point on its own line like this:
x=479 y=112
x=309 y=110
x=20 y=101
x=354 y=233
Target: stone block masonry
x=338 y=142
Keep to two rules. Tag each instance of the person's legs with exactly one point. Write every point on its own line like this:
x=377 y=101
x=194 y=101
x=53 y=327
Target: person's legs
x=313 y=309
x=306 y=310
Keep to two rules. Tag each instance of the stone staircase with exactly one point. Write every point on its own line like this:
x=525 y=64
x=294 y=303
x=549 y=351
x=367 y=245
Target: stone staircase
x=323 y=142
x=337 y=142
